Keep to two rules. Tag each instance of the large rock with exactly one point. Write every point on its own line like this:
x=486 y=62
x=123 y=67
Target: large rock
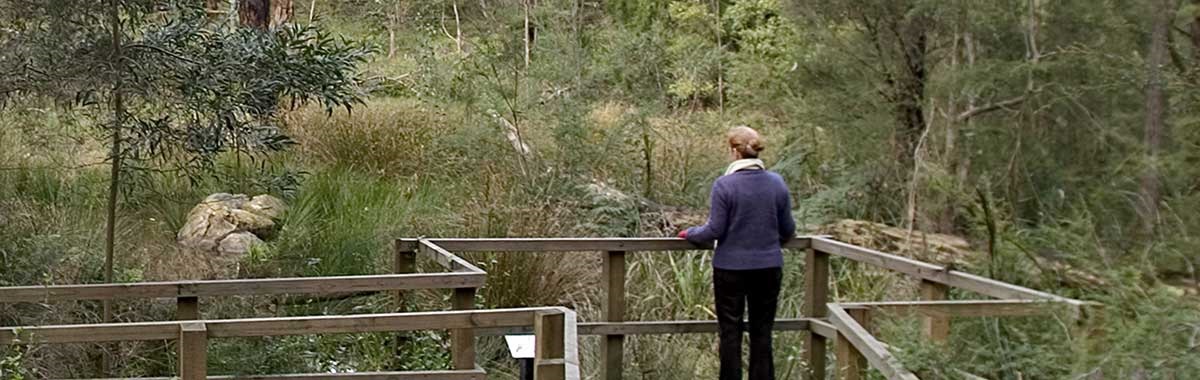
x=266 y=205
x=249 y=221
x=230 y=223
x=227 y=199
x=238 y=243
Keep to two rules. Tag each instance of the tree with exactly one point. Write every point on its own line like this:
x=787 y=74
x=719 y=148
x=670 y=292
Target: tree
x=118 y=109
x=1154 y=128
x=895 y=47
x=527 y=31
x=176 y=87
x=395 y=16
x=264 y=14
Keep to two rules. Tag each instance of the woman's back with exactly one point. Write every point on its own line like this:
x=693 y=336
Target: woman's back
x=750 y=218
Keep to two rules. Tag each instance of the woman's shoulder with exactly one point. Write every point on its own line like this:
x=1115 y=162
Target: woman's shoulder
x=777 y=179
x=749 y=176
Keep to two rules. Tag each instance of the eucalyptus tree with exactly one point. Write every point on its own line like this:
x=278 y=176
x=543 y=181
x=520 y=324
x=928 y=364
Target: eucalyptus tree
x=173 y=89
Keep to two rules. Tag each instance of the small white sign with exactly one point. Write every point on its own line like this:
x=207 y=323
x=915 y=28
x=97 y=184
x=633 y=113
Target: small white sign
x=520 y=346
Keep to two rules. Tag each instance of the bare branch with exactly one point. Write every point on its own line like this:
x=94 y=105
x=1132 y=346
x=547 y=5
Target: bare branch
x=976 y=111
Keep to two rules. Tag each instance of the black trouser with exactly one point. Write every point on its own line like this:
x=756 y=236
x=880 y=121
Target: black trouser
x=735 y=290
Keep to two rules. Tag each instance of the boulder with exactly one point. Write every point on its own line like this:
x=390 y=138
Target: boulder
x=252 y=222
x=206 y=225
x=227 y=199
x=266 y=205
x=238 y=243
x=230 y=223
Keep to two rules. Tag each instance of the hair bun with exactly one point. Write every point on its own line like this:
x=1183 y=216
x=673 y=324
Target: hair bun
x=746 y=141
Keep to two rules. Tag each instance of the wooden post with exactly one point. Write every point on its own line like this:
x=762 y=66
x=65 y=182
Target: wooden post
x=462 y=341
x=403 y=262
x=612 y=347
x=549 y=358
x=193 y=351
x=850 y=362
x=187 y=308
x=816 y=285
x=936 y=328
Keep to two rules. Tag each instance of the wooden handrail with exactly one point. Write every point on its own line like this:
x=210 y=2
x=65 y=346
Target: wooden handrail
x=936 y=273
x=866 y=344
x=853 y=331
x=963 y=308
x=444 y=258
x=571 y=244
x=560 y=363
x=663 y=327
x=471 y=374
x=242 y=287
x=252 y=327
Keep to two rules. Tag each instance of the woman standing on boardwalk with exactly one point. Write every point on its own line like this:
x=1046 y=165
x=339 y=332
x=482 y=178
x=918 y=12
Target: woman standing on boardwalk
x=750 y=218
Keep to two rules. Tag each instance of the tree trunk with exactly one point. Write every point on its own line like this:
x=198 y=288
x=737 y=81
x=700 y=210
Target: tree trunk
x=114 y=186
x=909 y=86
x=393 y=20
x=458 y=42
x=254 y=13
x=962 y=169
x=281 y=12
x=1154 y=128
x=264 y=14
x=720 y=64
x=391 y=42
x=1196 y=35
x=527 y=32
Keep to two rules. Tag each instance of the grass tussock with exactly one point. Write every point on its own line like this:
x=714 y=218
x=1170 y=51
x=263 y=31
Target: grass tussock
x=389 y=137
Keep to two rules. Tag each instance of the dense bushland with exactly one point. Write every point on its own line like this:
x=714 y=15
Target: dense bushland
x=1016 y=124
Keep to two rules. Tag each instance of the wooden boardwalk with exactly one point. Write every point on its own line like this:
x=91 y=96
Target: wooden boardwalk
x=845 y=325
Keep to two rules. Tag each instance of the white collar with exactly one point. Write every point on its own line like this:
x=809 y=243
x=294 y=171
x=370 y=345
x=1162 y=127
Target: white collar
x=745 y=163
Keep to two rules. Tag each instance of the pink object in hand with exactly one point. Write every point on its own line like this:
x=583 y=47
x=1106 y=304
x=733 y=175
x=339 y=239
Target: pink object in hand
x=683 y=234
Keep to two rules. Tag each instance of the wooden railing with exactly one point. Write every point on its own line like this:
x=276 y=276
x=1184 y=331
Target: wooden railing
x=856 y=347
x=844 y=323
x=847 y=324
x=187 y=293
x=463 y=282
x=553 y=327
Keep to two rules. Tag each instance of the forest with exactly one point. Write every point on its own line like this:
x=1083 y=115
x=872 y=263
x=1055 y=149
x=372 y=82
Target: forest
x=1052 y=144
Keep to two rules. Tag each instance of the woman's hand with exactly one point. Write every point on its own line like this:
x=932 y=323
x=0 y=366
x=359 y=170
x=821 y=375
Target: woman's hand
x=683 y=234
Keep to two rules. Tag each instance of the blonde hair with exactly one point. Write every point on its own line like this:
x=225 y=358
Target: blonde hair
x=746 y=141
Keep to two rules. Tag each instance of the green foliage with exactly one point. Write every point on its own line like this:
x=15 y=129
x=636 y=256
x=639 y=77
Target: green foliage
x=341 y=222
x=188 y=95
x=49 y=228
x=11 y=361
x=389 y=137
x=609 y=212
x=638 y=13
x=693 y=50
x=220 y=106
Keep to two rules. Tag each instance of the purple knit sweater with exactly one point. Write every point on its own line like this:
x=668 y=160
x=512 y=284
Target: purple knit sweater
x=751 y=216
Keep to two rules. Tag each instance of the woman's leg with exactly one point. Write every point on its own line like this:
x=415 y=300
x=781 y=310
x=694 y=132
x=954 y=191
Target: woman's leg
x=728 y=287
x=763 y=294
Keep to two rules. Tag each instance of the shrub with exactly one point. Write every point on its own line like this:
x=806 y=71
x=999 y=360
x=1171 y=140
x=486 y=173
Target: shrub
x=341 y=223
x=389 y=137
